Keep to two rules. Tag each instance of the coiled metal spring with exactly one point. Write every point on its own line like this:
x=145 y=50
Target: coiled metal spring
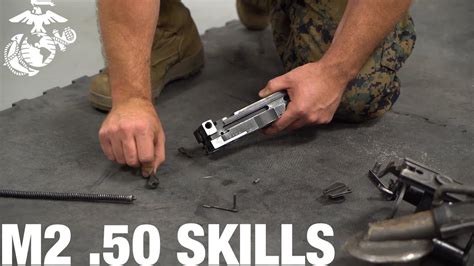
x=68 y=196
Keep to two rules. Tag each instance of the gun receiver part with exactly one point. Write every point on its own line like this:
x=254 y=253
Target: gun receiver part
x=216 y=134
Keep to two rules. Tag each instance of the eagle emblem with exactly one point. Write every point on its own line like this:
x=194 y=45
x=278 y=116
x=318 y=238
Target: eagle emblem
x=26 y=53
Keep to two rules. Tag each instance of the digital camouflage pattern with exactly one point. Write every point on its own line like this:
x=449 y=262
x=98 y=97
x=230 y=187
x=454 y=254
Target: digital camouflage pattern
x=303 y=31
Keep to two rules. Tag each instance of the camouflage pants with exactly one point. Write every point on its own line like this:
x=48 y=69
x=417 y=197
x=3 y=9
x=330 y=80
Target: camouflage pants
x=303 y=31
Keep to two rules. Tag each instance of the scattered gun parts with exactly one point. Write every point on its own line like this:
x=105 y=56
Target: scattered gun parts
x=443 y=214
x=414 y=183
x=234 y=206
x=335 y=192
x=68 y=196
x=216 y=134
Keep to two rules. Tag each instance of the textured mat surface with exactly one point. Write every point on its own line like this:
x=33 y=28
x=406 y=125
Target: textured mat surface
x=50 y=143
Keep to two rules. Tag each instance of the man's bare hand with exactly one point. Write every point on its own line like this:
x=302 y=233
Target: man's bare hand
x=132 y=134
x=315 y=92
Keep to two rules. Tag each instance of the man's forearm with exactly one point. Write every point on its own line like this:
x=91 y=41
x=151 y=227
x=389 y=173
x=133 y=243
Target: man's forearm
x=127 y=28
x=364 y=25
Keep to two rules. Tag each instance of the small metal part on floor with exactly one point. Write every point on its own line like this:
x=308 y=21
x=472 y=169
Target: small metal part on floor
x=185 y=152
x=152 y=181
x=336 y=192
x=233 y=209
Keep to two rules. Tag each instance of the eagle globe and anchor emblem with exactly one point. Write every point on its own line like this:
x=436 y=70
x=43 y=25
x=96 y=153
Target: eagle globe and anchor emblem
x=26 y=53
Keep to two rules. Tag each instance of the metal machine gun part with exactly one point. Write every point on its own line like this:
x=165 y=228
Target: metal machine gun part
x=395 y=251
x=413 y=236
x=336 y=192
x=426 y=189
x=442 y=222
x=216 y=134
x=414 y=183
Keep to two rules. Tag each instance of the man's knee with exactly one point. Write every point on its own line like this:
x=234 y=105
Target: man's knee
x=367 y=98
x=376 y=88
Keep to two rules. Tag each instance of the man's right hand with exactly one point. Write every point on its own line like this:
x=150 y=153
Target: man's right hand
x=132 y=134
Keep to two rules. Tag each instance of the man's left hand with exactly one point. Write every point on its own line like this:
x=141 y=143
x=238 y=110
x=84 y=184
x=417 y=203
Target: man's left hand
x=315 y=92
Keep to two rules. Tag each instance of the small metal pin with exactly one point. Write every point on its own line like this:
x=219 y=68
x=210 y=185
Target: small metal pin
x=235 y=202
x=185 y=152
x=234 y=206
x=219 y=208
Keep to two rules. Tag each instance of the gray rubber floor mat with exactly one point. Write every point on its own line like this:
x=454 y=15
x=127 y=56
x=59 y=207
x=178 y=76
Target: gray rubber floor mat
x=50 y=144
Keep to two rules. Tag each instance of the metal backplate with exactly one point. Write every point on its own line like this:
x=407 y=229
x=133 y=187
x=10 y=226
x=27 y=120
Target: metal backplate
x=387 y=251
